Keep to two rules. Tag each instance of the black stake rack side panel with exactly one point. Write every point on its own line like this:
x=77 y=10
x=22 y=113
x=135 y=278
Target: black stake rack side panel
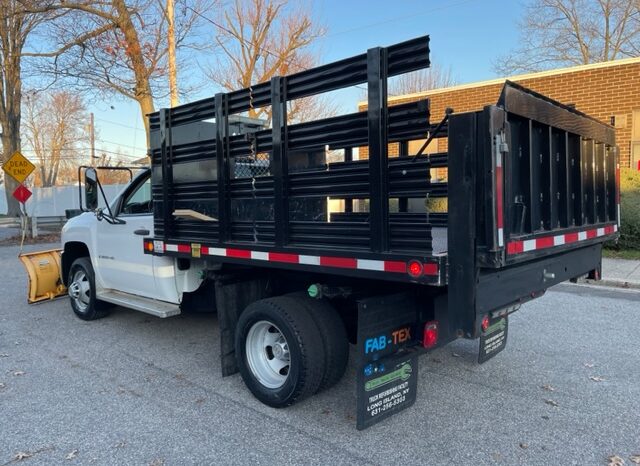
x=406 y=122
x=244 y=178
x=402 y=58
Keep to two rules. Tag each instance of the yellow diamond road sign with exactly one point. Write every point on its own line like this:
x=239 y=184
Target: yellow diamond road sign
x=18 y=167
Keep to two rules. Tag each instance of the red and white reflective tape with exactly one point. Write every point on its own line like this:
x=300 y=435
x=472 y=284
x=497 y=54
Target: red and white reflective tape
x=429 y=268
x=544 y=242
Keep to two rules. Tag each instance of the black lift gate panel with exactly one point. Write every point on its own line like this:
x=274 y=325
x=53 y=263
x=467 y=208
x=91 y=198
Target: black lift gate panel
x=534 y=194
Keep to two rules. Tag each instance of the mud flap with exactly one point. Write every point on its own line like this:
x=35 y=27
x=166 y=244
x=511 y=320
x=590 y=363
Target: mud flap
x=234 y=292
x=387 y=377
x=494 y=339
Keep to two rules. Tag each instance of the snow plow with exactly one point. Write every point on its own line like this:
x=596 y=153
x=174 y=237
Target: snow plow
x=45 y=281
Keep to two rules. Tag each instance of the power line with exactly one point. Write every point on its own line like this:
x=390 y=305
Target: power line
x=345 y=31
x=399 y=18
x=104 y=141
x=119 y=124
x=87 y=150
x=246 y=42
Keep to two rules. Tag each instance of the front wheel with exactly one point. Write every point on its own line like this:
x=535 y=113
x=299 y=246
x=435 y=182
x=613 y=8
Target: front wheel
x=280 y=352
x=82 y=291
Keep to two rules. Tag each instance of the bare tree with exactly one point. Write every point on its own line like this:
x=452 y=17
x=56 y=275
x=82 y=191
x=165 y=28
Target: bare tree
x=574 y=32
x=128 y=57
x=112 y=176
x=171 y=53
x=435 y=77
x=15 y=28
x=55 y=129
x=260 y=39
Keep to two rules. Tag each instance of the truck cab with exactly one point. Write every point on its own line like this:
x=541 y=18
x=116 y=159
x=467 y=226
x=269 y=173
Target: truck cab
x=103 y=260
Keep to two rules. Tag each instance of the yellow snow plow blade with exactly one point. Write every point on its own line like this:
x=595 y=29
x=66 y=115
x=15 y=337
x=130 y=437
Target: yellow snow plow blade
x=44 y=269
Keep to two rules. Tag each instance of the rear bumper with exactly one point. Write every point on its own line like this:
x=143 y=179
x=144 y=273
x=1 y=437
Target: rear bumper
x=501 y=288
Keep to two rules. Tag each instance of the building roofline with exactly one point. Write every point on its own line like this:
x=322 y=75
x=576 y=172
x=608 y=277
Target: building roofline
x=520 y=77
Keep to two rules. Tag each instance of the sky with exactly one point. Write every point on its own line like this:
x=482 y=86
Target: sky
x=467 y=36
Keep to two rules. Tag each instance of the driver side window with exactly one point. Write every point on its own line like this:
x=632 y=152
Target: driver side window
x=138 y=201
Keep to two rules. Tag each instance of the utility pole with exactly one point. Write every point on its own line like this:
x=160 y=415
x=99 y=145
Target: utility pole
x=171 y=36
x=92 y=137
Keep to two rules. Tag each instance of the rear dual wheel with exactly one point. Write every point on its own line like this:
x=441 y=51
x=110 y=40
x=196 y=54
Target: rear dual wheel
x=282 y=352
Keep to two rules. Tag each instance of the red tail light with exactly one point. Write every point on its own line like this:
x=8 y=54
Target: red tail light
x=485 y=323
x=415 y=269
x=430 y=335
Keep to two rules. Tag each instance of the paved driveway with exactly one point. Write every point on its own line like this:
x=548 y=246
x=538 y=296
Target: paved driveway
x=133 y=389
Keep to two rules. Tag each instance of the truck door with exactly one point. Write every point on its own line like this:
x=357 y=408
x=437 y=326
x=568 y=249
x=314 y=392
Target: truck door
x=122 y=264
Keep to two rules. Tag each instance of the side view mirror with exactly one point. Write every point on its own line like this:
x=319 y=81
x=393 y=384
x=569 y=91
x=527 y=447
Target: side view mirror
x=91 y=188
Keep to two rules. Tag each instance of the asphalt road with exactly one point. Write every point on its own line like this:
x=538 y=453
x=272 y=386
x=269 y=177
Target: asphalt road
x=8 y=232
x=134 y=389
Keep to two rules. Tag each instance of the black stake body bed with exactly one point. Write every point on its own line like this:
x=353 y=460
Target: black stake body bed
x=531 y=186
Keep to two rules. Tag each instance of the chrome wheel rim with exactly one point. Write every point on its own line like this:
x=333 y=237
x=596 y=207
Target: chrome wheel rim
x=80 y=290
x=268 y=354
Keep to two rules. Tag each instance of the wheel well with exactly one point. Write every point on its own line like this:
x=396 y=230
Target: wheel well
x=72 y=251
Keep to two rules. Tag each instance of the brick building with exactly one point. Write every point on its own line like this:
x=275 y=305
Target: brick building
x=607 y=91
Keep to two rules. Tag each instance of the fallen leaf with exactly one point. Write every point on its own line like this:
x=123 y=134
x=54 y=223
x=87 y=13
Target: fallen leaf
x=455 y=355
x=548 y=388
x=551 y=402
x=22 y=455
x=524 y=446
x=588 y=364
x=615 y=460
x=546 y=418
x=71 y=455
x=157 y=462
x=121 y=444
x=436 y=360
x=17 y=373
x=595 y=378
x=635 y=459
x=325 y=411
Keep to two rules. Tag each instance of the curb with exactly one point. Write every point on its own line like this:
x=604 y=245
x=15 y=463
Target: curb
x=611 y=284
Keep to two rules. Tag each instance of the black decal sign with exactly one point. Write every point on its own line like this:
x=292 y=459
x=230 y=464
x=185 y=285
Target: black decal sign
x=385 y=387
x=494 y=339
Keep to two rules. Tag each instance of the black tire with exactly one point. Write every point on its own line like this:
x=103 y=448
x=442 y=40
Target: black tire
x=334 y=337
x=285 y=317
x=83 y=301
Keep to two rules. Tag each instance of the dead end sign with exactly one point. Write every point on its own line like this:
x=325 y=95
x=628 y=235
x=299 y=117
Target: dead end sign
x=18 y=167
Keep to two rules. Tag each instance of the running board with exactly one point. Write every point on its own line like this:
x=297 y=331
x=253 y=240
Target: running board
x=138 y=303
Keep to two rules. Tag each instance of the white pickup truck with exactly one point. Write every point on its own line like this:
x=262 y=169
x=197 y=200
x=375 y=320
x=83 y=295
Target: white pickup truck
x=103 y=260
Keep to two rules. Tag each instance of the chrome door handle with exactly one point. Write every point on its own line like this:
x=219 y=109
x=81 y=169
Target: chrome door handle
x=142 y=232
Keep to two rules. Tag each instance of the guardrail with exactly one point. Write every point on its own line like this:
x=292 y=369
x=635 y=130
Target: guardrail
x=52 y=222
